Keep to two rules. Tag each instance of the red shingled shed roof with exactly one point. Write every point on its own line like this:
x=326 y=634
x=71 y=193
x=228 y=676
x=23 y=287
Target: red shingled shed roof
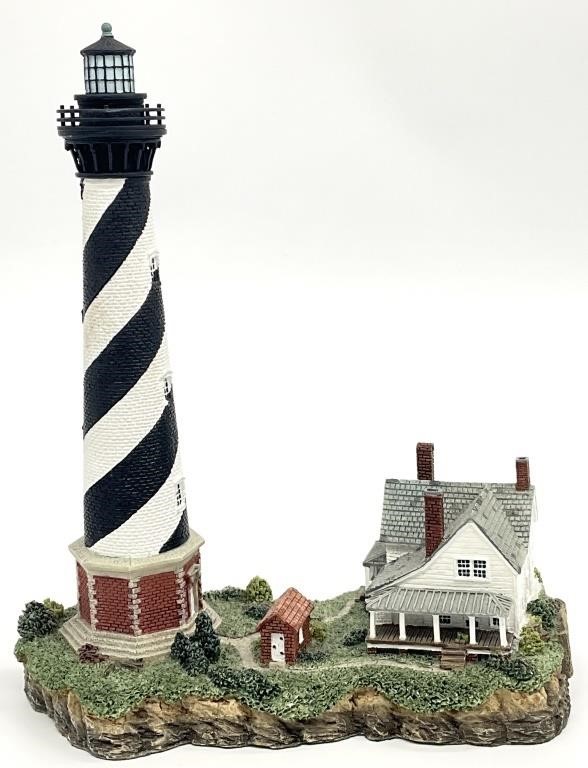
x=292 y=608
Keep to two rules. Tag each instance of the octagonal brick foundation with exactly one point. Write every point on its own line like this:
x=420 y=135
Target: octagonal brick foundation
x=131 y=608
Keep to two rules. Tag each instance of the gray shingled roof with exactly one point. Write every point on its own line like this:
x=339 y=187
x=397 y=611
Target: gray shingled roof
x=403 y=514
x=376 y=555
x=440 y=601
x=487 y=512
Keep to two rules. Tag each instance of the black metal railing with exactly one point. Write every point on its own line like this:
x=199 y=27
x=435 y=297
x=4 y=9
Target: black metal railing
x=71 y=117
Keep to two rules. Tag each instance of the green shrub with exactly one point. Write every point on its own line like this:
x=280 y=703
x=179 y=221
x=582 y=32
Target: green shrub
x=35 y=621
x=256 y=610
x=546 y=609
x=462 y=637
x=258 y=591
x=355 y=637
x=538 y=576
x=226 y=593
x=530 y=643
x=180 y=649
x=196 y=662
x=516 y=667
x=249 y=685
x=312 y=655
x=206 y=637
x=56 y=609
x=318 y=630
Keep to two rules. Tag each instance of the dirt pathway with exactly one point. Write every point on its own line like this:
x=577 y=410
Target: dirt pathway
x=243 y=646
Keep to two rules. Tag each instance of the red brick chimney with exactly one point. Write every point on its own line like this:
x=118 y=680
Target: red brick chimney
x=425 y=461
x=434 y=521
x=523 y=474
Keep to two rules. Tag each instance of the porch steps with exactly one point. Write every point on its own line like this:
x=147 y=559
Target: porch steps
x=452 y=658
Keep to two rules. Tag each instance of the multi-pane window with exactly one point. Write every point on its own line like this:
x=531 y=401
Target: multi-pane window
x=476 y=568
x=495 y=621
x=167 y=384
x=444 y=619
x=109 y=73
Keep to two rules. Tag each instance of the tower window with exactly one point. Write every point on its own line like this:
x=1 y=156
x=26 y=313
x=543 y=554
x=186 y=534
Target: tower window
x=154 y=263
x=180 y=494
x=167 y=384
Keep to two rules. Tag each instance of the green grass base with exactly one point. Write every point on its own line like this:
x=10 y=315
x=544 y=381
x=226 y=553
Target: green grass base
x=305 y=690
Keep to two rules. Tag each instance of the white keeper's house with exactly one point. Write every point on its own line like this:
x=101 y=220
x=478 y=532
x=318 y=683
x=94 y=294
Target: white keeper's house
x=453 y=563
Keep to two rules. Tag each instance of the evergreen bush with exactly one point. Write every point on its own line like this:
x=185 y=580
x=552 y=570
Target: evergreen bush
x=206 y=637
x=196 y=661
x=36 y=620
x=546 y=609
x=180 y=649
x=258 y=591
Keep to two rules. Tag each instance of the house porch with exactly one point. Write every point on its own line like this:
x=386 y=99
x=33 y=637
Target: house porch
x=389 y=636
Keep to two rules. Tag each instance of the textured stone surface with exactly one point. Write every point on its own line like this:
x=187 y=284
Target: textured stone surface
x=505 y=718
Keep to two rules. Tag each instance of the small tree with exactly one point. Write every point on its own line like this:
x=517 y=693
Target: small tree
x=35 y=621
x=258 y=591
x=318 y=631
x=530 y=643
x=206 y=637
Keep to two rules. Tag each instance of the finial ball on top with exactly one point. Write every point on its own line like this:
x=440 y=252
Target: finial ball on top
x=106 y=29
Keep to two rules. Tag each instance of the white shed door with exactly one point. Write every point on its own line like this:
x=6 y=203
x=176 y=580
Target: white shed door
x=278 y=647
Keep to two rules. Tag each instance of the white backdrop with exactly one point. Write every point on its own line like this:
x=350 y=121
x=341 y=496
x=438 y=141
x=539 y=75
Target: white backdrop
x=372 y=221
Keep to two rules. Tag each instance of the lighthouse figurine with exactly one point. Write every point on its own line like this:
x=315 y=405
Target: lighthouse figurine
x=138 y=563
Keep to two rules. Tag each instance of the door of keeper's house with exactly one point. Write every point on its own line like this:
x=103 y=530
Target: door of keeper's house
x=278 y=647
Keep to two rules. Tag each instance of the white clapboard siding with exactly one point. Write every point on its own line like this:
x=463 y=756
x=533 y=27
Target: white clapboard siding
x=469 y=542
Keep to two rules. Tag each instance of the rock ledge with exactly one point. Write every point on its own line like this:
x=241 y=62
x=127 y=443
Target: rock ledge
x=507 y=717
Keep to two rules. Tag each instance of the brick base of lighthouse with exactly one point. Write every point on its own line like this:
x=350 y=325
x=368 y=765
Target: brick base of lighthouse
x=131 y=608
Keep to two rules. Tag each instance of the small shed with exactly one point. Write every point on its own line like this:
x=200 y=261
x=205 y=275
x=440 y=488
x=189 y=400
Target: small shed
x=285 y=629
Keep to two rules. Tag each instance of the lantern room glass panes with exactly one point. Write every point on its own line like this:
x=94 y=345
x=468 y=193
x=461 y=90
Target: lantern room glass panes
x=109 y=73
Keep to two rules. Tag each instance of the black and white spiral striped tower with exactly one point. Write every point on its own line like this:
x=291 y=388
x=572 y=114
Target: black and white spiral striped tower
x=138 y=564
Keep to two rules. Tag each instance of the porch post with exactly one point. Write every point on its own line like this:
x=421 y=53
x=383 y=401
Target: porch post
x=502 y=629
x=472 y=622
x=402 y=626
x=373 y=625
x=436 y=629
x=367 y=575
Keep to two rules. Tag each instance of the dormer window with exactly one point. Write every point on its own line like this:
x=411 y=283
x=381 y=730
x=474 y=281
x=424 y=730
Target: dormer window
x=180 y=494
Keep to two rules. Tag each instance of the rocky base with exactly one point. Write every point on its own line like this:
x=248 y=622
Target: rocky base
x=505 y=718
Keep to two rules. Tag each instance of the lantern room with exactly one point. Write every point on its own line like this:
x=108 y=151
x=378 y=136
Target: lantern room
x=108 y=65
